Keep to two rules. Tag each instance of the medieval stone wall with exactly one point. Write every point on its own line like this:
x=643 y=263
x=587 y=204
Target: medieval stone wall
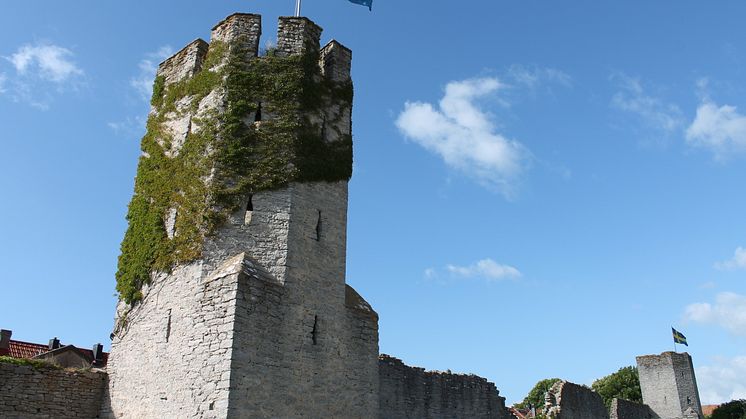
x=567 y=400
x=171 y=355
x=625 y=409
x=29 y=393
x=409 y=392
x=299 y=350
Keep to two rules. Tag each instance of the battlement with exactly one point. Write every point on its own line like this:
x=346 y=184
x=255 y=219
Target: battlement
x=297 y=35
x=244 y=28
x=335 y=61
x=185 y=63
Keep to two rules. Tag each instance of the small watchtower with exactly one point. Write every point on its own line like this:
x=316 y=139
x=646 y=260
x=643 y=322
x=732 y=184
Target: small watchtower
x=668 y=385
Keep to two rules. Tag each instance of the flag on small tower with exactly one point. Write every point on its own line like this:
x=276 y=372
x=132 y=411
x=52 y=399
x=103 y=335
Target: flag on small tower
x=368 y=3
x=679 y=337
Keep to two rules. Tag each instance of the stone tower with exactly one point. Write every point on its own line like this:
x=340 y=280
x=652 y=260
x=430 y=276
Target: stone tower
x=232 y=272
x=668 y=385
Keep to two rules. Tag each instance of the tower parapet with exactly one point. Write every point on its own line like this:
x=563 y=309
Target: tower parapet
x=240 y=27
x=335 y=60
x=297 y=35
x=185 y=63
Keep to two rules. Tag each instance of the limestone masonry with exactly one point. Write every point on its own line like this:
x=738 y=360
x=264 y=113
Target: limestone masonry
x=261 y=323
x=668 y=385
x=28 y=392
x=233 y=300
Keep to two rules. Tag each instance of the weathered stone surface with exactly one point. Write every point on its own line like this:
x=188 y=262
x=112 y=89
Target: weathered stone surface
x=185 y=63
x=263 y=324
x=625 y=409
x=410 y=392
x=27 y=392
x=668 y=384
x=296 y=35
x=567 y=400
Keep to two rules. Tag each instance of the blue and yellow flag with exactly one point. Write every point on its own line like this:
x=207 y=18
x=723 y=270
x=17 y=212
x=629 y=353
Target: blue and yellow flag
x=679 y=337
x=368 y=3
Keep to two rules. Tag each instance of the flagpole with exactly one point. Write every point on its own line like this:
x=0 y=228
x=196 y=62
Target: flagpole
x=297 y=8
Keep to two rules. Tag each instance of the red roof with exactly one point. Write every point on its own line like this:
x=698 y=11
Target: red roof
x=18 y=349
x=26 y=350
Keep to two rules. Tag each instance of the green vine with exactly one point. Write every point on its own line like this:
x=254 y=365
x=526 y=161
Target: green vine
x=288 y=145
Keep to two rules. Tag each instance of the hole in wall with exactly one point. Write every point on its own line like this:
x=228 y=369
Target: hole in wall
x=249 y=210
x=212 y=406
x=315 y=330
x=258 y=114
x=168 y=326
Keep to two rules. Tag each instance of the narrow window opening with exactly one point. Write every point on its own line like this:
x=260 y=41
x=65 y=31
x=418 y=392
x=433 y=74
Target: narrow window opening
x=258 y=115
x=212 y=405
x=323 y=129
x=168 y=326
x=318 y=227
x=688 y=400
x=249 y=210
x=315 y=330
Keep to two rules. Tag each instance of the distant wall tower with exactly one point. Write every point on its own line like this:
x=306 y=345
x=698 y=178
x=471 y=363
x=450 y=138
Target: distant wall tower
x=668 y=384
x=232 y=273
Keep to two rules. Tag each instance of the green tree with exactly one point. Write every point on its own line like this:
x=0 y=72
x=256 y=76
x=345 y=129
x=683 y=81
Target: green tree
x=623 y=384
x=535 y=397
x=734 y=409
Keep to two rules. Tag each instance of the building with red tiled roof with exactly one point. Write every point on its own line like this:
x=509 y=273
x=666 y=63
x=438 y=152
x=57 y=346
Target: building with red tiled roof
x=67 y=356
x=709 y=408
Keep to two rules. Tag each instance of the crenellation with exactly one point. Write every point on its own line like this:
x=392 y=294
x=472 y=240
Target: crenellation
x=335 y=61
x=185 y=63
x=244 y=28
x=297 y=35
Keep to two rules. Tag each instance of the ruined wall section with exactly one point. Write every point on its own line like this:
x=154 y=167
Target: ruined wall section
x=625 y=409
x=668 y=384
x=566 y=400
x=27 y=392
x=410 y=392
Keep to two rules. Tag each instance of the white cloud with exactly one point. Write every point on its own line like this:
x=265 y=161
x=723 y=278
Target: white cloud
x=462 y=133
x=486 y=269
x=654 y=112
x=532 y=76
x=48 y=62
x=722 y=129
x=722 y=381
x=143 y=82
x=738 y=261
x=728 y=311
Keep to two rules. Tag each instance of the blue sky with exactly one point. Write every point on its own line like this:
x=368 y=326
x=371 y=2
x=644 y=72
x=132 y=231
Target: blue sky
x=541 y=188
